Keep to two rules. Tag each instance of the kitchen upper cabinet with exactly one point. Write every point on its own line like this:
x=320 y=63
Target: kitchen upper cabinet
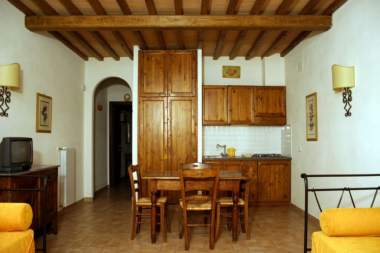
x=273 y=182
x=244 y=105
x=182 y=71
x=239 y=105
x=269 y=105
x=215 y=105
x=182 y=131
x=152 y=73
x=153 y=148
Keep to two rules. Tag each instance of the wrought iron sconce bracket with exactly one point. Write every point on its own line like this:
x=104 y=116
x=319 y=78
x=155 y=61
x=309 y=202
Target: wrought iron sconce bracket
x=347 y=99
x=5 y=99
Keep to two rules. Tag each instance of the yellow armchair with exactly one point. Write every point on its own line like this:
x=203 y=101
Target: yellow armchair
x=354 y=230
x=15 y=235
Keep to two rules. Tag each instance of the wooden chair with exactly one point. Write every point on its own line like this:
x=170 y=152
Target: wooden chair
x=199 y=185
x=243 y=202
x=141 y=204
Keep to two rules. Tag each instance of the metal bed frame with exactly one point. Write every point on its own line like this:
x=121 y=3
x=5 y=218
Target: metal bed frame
x=44 y=208
x=343 y=190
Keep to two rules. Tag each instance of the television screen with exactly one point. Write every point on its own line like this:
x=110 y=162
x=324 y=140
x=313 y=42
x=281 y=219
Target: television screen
x=20 y=151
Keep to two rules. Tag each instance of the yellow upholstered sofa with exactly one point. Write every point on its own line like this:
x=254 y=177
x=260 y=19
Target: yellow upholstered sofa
x=348 y=230
x=15 y=235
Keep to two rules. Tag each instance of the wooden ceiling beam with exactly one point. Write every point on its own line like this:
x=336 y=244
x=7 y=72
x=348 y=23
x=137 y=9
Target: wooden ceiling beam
x=22 y=7
x=28 y=12
x=205 y=10
x=124 y=7
x=231 y=10
x=285 y=8
x=97 y=7
x=257 y=41
x=137 y=22
x=153 y=11
x=258 y=8
x=70 y=45
x=80 y=39
x=178 y=6
x=71 y=8
x=124 y=44
x=303 y=35
x=308 y=9
x=99 y=10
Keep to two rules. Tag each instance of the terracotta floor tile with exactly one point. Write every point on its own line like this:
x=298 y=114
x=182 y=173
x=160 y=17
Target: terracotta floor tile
x=104 y=226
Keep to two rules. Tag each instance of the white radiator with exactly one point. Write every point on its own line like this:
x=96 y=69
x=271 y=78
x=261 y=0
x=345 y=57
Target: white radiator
x=66 y=179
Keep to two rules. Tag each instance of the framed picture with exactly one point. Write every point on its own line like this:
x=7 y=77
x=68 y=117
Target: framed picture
x=231 y=71
x=43 y=113
x=311 y=117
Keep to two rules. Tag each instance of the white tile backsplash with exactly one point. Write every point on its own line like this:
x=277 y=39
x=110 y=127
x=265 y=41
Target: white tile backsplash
x=246 y=139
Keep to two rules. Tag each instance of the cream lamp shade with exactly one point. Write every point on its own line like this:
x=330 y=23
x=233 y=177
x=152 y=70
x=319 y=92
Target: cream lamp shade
x=10 y=75
x=343 y=77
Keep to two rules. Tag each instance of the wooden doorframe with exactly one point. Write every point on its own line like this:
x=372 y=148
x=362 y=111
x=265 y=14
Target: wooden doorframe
x=112 y=150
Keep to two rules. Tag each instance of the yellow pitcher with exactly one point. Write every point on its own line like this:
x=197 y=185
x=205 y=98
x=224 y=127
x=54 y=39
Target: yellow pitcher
x=231 y=151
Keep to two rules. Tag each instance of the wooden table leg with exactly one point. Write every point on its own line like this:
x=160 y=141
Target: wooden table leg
x=153 y=217
x=235 y=216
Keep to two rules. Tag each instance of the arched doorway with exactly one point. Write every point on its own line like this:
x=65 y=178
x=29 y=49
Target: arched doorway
x=112 y=131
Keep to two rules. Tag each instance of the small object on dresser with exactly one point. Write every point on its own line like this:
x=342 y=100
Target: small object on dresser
x=231 y=151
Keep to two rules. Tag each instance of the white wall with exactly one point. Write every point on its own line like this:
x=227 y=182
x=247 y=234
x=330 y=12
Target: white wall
x=47 y=67
x=345 y=145
x=95 y=72
x=269 y=71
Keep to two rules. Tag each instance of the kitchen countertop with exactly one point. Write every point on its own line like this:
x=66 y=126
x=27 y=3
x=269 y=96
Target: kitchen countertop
x=221 y=158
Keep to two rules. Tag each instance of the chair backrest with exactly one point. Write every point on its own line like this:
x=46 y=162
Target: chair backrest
x=246 y=187
x=200 y=180
x=135 y=181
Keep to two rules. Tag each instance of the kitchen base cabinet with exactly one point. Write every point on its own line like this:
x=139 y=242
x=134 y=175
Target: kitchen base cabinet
x=271 y=178
x=273 y=182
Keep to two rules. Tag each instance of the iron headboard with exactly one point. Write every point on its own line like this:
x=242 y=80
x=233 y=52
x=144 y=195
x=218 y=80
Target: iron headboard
x=342 y=189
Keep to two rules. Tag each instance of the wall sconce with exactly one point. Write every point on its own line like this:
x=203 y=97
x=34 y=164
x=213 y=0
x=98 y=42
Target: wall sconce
x=344 y=79
x=9 y=77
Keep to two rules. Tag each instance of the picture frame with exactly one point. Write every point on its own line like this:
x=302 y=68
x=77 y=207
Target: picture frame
x=312 y=117
x=44 y=106
x=231 y=71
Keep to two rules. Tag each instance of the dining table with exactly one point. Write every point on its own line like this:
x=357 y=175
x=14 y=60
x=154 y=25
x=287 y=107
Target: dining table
x=229 y=181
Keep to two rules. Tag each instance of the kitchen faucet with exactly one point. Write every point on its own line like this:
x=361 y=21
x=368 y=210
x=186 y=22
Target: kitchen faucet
x=224 y=149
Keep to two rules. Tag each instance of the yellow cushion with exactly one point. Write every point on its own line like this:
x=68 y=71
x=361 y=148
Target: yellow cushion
x=321 y=243
x=20 y=242
x=15 y=217
x=351 y=222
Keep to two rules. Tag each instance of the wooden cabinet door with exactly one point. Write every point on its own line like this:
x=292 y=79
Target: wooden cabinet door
x=239 y=105
x=269 y=105
x=250 y=169
x=152 y=76
x=274 y=181
x=182 y=73
x=152 y=148
x=182 y=139
x=215 y=105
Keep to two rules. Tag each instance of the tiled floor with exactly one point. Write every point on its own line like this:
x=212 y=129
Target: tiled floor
x=104 y=226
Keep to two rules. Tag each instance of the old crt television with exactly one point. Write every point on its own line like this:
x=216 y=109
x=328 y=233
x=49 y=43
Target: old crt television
x=16 y=154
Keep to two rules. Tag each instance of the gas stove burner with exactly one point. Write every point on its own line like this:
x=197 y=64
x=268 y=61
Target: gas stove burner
x=266 y=155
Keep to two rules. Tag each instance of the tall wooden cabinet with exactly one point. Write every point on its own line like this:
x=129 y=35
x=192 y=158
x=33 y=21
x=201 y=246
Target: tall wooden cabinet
x=167 y=109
